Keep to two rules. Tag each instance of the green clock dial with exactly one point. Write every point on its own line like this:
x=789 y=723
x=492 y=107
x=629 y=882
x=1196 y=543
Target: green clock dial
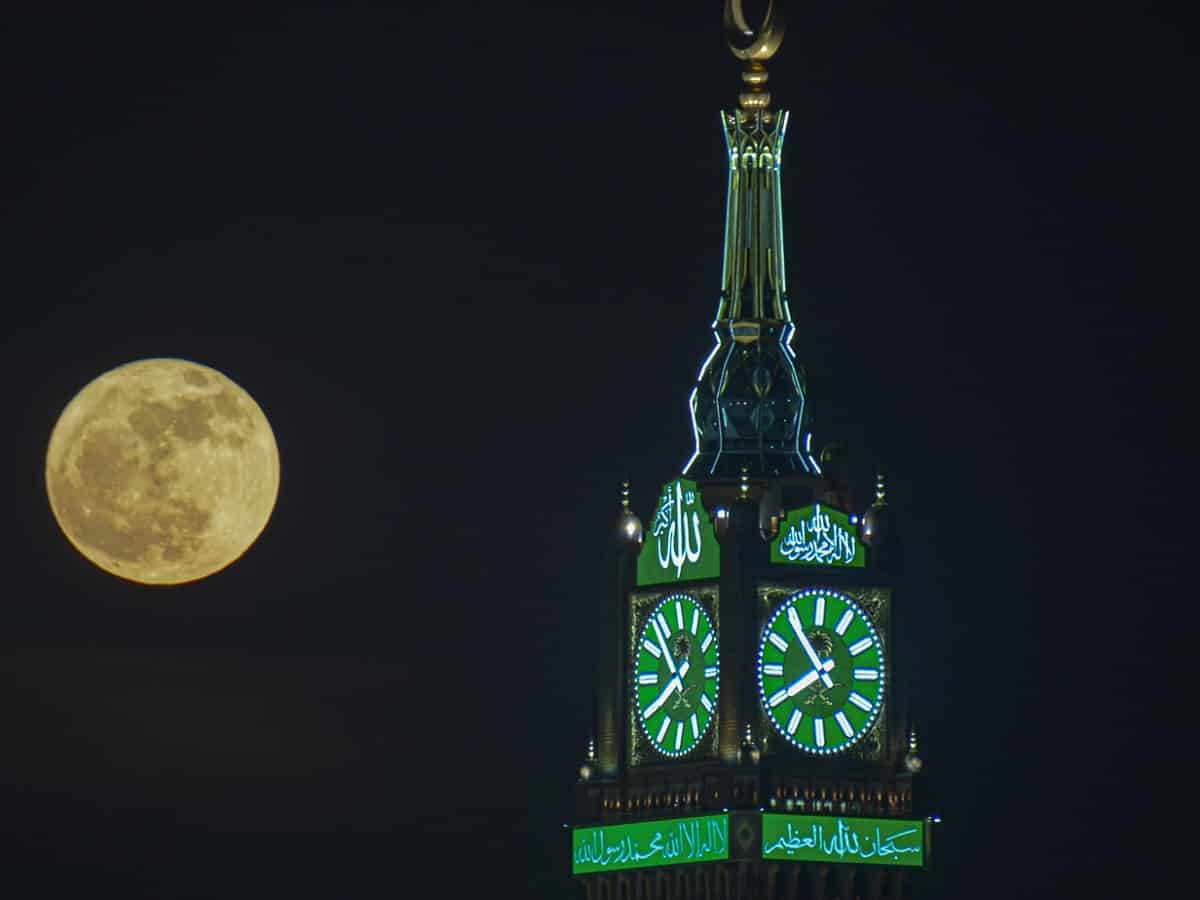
x=676 y=675
x=820 y=671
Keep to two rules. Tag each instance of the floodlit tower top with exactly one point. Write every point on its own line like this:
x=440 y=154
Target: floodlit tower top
x=749 y=405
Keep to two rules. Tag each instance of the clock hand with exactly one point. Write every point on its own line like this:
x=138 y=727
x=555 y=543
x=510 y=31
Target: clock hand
x=675 y=684
x=662 y=644
x=805 y=680
x=808 y=648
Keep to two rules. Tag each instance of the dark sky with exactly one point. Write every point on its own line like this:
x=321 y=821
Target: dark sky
x=465 y=257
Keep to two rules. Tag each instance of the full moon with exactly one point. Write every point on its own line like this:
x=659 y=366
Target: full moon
x=162 y=471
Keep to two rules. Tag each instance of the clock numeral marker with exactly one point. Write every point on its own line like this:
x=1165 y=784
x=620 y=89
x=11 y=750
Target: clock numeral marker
x=651 y=649
x=706 y=703
x=678 y=735
x=710 y=672
x=662 y=731
x=819 y=613
x=844 y=724
x=664 y=629
x=859 y=646
x=779 y=642
x=866 y=674
x=695 y=620
x=794 y=721
x=860 y=701
x=773 y=668
x=679 y=614
x=778 y=697
x=797 y=625
x=844 y=621
x=706 y=643
x=695 y=727
x=819 y=728
x=648 y=678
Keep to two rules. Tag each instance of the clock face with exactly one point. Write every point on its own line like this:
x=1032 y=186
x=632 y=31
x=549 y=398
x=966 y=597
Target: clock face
x=675 y=677
x=820 y=671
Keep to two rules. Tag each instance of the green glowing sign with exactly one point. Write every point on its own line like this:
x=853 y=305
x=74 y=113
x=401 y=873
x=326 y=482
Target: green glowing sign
x=676 y=679
x=818 y=536
x=820 y=671
x=833 y=839
x=636 y=845
x=682 y=545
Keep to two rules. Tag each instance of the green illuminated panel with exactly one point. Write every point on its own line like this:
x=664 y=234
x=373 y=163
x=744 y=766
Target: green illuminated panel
x=834 y=839
x=681 y=545
x=638 y=845
x=676 y=676
x=818 y=536
x=821 y=675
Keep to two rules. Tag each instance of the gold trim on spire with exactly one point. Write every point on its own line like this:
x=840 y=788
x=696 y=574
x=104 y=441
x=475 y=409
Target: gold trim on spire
x=754 y=46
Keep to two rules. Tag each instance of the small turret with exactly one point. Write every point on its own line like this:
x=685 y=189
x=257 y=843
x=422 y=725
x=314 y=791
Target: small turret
x=878 y=527
x=912 y=762
x=748 y=753
x=629 y=526
x=588 y=767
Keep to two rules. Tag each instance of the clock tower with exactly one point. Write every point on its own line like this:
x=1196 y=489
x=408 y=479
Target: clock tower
x=752 y=734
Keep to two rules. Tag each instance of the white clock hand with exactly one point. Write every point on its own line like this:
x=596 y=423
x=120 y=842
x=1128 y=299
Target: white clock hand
x=798 y=627
x=662 y=645
x=675 y=684
x=805 y=680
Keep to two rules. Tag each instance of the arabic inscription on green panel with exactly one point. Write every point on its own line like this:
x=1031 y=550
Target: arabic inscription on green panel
x=833 y=839
x=636 y=845
x=681 y=545
x=818 y=535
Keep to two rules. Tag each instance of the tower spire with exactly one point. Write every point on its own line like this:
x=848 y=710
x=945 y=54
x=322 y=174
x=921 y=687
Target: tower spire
x=749 y=405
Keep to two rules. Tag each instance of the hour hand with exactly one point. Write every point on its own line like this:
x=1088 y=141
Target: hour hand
x=805 y=680
x=674 y=684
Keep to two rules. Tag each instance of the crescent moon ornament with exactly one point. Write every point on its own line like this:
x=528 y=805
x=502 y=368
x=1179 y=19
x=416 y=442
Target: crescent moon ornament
x=162 y=471
x=748 y=43
x=754 y=45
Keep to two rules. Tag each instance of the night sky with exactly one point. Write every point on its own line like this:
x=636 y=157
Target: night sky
x=465 y=257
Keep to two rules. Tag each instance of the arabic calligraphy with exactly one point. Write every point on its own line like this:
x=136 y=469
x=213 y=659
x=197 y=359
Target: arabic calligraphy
x=676 y=542
x=819 y=539
x=833 y=840
x=651 y=844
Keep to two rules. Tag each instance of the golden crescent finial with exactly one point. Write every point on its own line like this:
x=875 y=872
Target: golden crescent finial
x=754 y=44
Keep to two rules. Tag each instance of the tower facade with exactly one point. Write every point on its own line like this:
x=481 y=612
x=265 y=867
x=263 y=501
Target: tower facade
x=752 y=736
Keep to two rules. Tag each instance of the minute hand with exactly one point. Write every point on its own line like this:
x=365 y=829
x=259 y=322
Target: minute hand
x=798 y=627
x=674 y=684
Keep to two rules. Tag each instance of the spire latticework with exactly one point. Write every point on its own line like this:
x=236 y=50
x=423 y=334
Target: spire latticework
x=749 y=405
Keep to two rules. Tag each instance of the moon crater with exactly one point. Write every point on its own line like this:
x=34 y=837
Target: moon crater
x=162 y=471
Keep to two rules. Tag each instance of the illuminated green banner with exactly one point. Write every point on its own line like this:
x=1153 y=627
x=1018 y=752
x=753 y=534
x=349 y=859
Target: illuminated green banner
x=833 y=839
x=818 y=536
x=636 y=845
x=682 y=545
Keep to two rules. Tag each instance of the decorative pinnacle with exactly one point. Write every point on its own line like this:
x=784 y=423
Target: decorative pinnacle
x=625 y=495
x=745 y=489
x=912 y=761
x=591 y=750
x=880 y=491
x=754 y=46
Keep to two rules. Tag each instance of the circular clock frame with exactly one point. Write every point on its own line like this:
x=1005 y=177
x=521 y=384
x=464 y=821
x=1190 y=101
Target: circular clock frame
x=678 y=621
x=822 y=710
